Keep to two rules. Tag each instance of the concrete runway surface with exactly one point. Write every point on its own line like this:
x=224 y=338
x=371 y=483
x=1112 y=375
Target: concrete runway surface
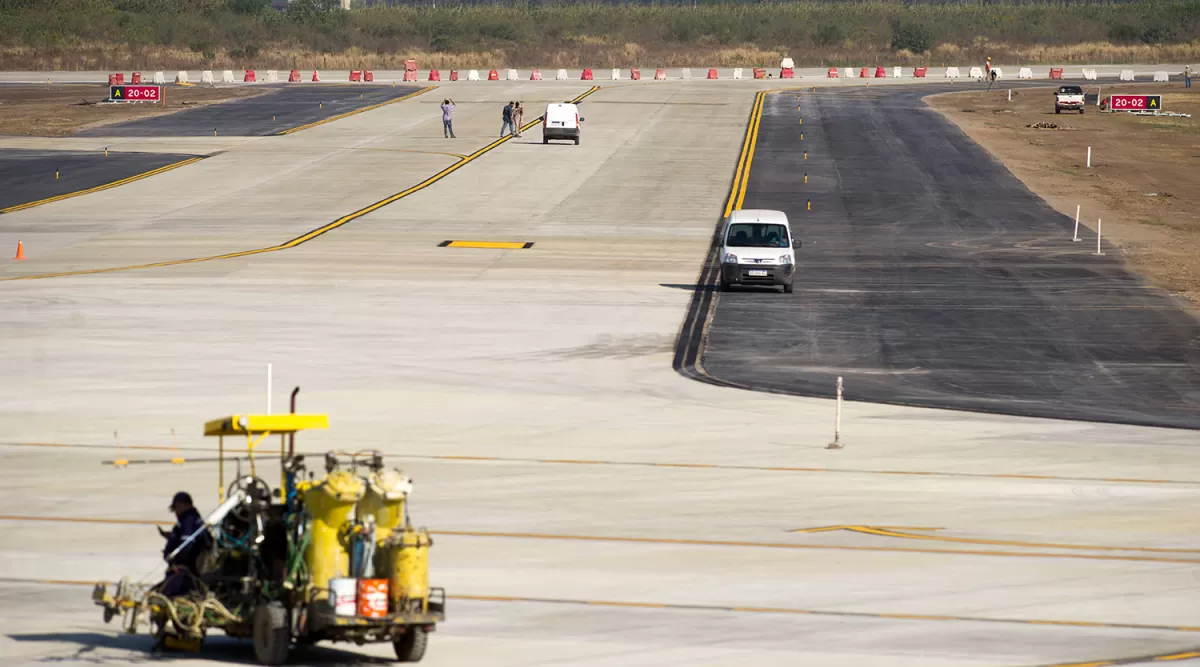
x=590 y=506
x=931 y=276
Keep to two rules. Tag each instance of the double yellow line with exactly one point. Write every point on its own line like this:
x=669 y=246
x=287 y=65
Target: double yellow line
x=308 y=236
x=106 y=186
x=741 y=177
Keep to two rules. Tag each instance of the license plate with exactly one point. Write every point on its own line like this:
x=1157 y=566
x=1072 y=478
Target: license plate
x=757 y=273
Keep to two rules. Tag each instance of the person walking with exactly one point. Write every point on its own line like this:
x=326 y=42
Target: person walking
x=507 y=115
x=448 y=118
x=518 y=118
x=1187 y=76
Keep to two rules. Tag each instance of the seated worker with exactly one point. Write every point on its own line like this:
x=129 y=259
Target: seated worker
x=182 y=568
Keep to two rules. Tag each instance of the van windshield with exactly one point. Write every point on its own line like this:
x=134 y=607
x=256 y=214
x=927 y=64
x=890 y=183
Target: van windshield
x=1070 y=90
x=757 y=235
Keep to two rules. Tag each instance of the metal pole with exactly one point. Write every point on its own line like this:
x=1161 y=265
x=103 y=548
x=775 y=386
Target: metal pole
x=268 y=388
x=837 y=418
x=1075 y=236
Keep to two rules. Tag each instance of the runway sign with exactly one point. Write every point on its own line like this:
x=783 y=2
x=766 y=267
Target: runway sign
x=1135 y=102
x=135 y=93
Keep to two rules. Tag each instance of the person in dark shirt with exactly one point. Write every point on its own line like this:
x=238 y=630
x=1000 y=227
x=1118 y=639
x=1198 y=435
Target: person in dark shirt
x=507 y=117
x=182 y=567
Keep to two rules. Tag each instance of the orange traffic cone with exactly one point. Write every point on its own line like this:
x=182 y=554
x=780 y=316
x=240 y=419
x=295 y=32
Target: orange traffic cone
x=20 y=251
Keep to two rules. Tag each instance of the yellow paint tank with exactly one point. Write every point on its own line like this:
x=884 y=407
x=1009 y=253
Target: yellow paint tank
x=384 y=500
x=329 y=504
x=409 y=585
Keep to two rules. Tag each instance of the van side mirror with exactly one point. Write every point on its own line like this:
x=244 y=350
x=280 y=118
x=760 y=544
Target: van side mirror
x=582 y=119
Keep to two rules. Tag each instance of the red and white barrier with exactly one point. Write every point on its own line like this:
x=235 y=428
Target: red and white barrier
x=315 y=78
x=454 y=75
x=135 y=78
x=862 y=73
x=919 y=72
x=369 y=76
x=535 y=75
x=760 y=73
x=712 y=74
x=435 y=75
x=880 y=73
x=356 y=76
x=249 y=77
x=587 y=75
x=294 y=76
x=493 y=75
x=832 y=73
x=660 y=74
x=635 y=74
x=787 y=73
x=1056 y=73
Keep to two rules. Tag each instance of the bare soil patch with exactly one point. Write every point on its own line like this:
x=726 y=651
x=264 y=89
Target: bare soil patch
x=1142 y=182
x=56 y=110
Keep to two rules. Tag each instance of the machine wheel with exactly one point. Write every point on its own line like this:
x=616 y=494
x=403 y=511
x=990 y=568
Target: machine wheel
x=410 y=647
x=271 y=633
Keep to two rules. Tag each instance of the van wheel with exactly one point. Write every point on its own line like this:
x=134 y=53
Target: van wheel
x=1081 y=112
x=545 y=140
x=576 y=141
x=1057 y=110
x=788 y=288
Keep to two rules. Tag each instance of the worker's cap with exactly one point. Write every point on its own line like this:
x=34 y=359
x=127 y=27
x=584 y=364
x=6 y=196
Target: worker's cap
x=181 y=497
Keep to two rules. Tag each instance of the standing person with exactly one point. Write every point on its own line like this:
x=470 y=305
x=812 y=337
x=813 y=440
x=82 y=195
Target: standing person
x=507 y=115
x=1187 y=76
x=447 y=118
x=518 y=118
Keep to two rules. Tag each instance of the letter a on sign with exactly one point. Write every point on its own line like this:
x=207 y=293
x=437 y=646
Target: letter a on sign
x=116 y=92
x=1154 y=102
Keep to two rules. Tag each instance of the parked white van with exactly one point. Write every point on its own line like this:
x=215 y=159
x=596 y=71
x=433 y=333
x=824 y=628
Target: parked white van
x=561 y=122
x=757 y=248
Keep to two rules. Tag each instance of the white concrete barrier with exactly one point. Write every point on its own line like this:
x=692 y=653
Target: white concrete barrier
x=737 y=72
x=976 y=72
x=181 y=76
x=272 y=76
x=473 y=75
x=998 y=72
x=227 y=76
x=561 y=75
x=512 y=75
x=1025 y=73
x=685 y=73
x=206 y=77
x=897 y=72
x=1161 y=76
x=1089 y=74
x=160 y=78
x=847 y=72
x=952 y=73
x=616 y=74
x=1127 y=75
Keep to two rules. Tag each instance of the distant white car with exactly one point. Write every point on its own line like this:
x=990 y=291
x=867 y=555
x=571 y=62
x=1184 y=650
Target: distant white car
x=561 y=121
x=1069 y=98
x=757 y=248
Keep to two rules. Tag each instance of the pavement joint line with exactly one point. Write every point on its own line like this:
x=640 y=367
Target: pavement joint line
x=310 y=235
x=663 y=464
x=884 y=531
x=102 y=187
x=617 y=539
x=737 y=609
x=372 y=107
x=1162 y=657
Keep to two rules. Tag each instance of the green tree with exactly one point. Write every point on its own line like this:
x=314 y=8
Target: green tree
x=913 y=37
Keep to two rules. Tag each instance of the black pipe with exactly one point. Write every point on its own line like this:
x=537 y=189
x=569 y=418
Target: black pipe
x=292 y=435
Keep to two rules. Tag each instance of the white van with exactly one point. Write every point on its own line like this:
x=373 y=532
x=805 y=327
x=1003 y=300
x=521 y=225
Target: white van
x=757 y=248
x=561 y=122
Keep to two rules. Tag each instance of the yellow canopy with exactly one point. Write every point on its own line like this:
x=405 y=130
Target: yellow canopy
x=254 y=424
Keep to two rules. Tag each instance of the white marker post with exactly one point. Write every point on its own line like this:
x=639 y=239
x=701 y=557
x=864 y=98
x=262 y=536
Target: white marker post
x=1075 y=236
x=1010 y=94
x=1099 y=226
x=268 y=388
x=837 y=419
x=1089 y=158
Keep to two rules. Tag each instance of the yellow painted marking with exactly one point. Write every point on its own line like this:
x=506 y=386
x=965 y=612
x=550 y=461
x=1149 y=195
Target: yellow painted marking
x=304 y=238
x=704 y=543
x=507 y=245
x=106 y=186
x=752 y=610
x=1102 y=663
x=356 y=111
x=1179 y=656
x=884 y=532
x=742 y=174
